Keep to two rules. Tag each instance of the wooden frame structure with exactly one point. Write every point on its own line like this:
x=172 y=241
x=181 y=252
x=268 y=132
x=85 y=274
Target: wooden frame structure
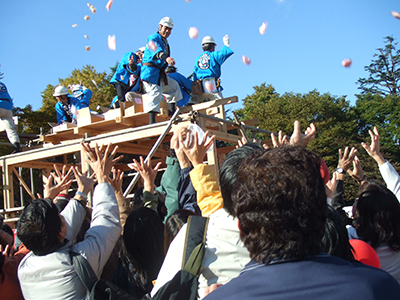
x=126 y=127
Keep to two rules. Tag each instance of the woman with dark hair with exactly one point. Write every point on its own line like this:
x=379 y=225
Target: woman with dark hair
x=377 y=222
x=173 y=224
x=377 y=211
x=142 y=252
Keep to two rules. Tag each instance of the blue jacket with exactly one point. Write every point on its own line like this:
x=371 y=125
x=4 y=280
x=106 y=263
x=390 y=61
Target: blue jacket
x=183 y=83
x=208 y=64
x=61 y=114
x=84 y=97
x=320 y=277
x=151 y=74
x=5 y=98
x=123 y=72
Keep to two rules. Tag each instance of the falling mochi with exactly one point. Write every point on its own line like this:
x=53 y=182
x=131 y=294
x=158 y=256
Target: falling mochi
x=109 y=3
x=87 y=48
x=263 y=28
x=87 y=18
x=112 y=44
x=193 y=32
x=246 y=60
x=346 y=62
x=396 y=14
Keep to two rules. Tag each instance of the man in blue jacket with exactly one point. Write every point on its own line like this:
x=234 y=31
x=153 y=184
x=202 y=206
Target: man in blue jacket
x=82 y=93
x=6 y=107
x=208 y=69
x=155 y=82
x=127 y=76
x=66 y=106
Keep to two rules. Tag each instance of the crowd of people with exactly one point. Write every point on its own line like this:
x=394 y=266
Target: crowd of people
x=151 y=70
x=276 y=226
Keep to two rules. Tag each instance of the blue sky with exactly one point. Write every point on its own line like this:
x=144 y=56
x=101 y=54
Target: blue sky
x=302 y=49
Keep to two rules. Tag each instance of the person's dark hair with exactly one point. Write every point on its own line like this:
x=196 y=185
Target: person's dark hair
x=336 y=240
x=173 y=224
x=229 y=168
x=208 y=47
x=171 y=69
x=39 y=226
x=280 y=202
x=142 y=250
x=377 y=216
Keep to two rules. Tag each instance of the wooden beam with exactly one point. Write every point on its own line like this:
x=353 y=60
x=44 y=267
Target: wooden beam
x=21 y=180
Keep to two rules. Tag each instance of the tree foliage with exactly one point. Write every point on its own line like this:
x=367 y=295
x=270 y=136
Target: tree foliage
x=335 y=120
x=384 y=71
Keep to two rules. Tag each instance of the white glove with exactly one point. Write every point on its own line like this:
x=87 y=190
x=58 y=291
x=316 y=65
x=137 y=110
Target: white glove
x=226 y=40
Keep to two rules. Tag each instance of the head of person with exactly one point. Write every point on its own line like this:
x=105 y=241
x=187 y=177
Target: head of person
x=165 y=27
x=61 y=94
x=173 y=224
x=336 y=240
x=377 y=216
x=41 y=227
x=208 y=44
x=142 y=250
x=229 y=169
x=170 y=69
x=280 y=202
x=139 y=54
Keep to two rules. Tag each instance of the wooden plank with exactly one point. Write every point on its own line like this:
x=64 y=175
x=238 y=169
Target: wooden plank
x=21 y=180
x=209 y=104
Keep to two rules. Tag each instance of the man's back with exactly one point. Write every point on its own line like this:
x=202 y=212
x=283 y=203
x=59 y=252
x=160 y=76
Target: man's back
x=318 y=277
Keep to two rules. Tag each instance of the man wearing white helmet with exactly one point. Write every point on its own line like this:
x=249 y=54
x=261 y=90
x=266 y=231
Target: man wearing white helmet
x=66 y=105
x=207 y=69
x=82 y=93
x=127 y=76
x=155 y=83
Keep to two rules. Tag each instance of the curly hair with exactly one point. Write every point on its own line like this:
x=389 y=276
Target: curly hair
x=377 y=216
x=39 y=226
x=280 y=202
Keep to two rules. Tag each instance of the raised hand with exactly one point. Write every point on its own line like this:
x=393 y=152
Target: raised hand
x=302 y=139
x=373 y=150
x=148 y=174
x=196 y=151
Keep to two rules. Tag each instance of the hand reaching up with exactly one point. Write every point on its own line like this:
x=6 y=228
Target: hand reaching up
x=373 y=150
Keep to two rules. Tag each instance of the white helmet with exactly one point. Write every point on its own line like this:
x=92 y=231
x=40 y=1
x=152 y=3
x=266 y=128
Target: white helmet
x=208 y=40
x=141 y=49
x=60 y=90
x=167 y=21
x=76 y=87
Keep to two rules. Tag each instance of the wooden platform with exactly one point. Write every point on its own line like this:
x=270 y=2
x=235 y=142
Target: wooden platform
x=125 y=127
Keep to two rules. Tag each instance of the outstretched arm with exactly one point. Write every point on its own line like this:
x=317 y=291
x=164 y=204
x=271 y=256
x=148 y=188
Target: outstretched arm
x=105 y=227
x=204 y=179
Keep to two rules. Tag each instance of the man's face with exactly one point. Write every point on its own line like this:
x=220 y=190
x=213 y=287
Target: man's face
x=62 y=99
x=164 y=31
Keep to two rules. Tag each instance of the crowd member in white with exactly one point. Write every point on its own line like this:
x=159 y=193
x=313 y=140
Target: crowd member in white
x=47 y=271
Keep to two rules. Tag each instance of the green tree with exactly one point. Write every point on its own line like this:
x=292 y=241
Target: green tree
x=334 y=118
x=384 y=71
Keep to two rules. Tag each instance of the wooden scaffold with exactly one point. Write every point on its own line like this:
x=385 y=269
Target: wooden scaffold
x=126 y=127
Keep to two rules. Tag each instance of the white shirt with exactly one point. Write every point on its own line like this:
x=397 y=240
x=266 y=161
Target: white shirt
x=225 y=254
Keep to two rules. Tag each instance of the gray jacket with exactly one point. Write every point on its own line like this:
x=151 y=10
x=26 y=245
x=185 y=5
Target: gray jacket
x=52 y=276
